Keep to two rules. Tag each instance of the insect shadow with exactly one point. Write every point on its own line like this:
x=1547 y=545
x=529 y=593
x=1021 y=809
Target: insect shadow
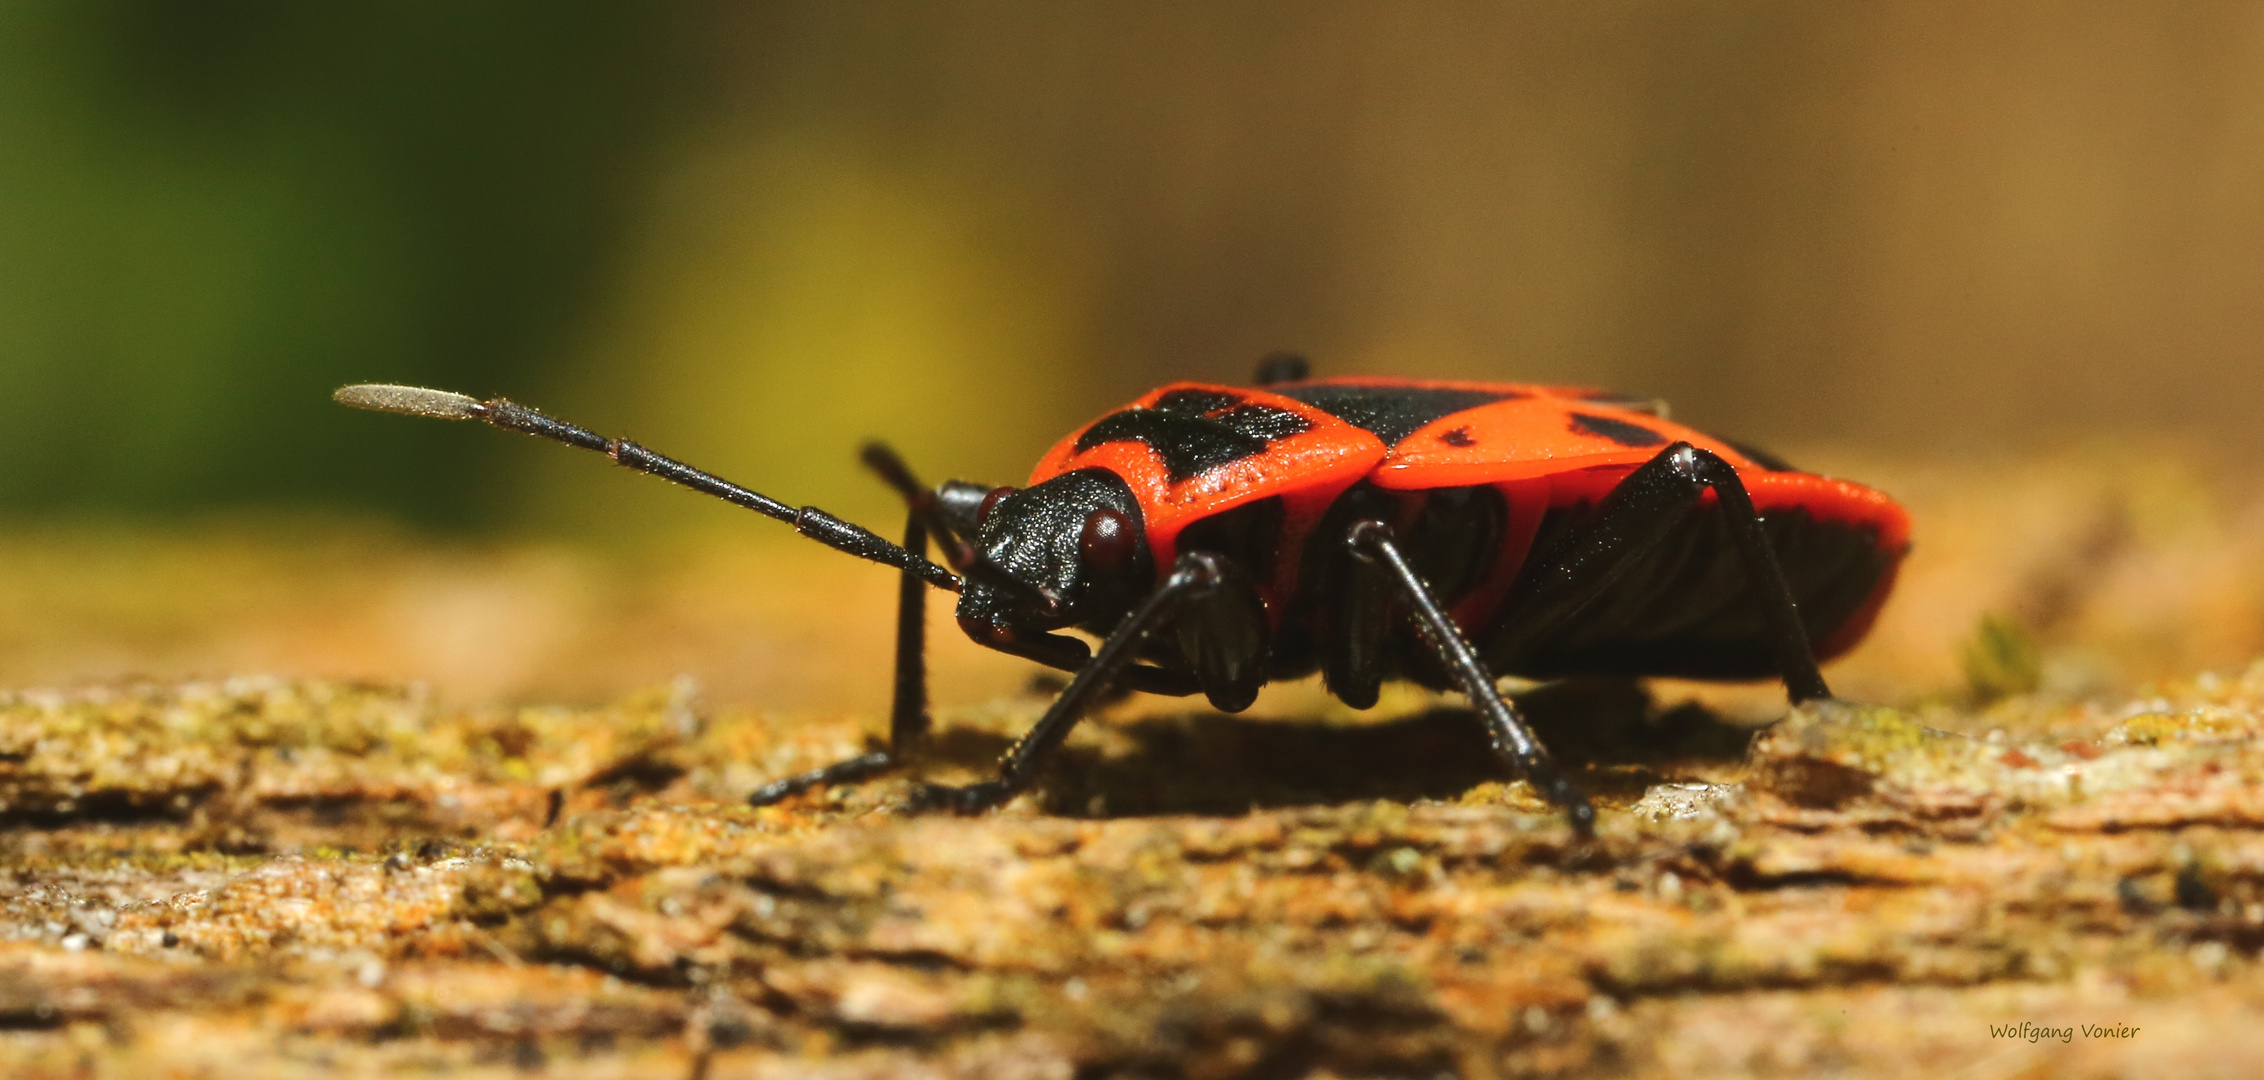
x=1212 y=763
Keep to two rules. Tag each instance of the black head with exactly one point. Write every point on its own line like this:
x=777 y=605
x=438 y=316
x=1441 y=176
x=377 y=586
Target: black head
x=1068 y=552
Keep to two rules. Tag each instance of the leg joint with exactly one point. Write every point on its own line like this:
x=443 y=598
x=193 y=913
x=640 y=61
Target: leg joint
x=1694 y=463
x=1197 y=571
x=1367 y=538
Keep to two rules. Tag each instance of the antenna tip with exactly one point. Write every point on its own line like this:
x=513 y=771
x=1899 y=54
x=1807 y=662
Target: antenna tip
x=408 y=401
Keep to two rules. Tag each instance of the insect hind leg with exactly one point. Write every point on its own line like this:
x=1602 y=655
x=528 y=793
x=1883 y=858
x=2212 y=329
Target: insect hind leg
x=1631 y=522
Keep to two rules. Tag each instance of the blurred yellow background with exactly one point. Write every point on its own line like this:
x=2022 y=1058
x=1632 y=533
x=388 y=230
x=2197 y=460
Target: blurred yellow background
x=1937 y=236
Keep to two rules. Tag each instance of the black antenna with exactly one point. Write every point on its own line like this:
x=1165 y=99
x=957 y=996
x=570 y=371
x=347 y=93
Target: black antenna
x=807 y=520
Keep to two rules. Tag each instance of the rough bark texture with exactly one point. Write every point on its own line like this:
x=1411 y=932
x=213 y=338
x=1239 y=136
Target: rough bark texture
x=273 y=878
x=268 y=877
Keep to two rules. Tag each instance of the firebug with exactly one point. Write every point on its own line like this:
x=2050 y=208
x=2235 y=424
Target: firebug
x=1214 y=538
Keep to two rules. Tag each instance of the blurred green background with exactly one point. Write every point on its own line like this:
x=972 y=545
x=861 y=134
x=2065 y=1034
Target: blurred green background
x=753 y=234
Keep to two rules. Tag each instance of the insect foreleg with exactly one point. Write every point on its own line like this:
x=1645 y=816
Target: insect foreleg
x=1195 y=574
x=908 y=705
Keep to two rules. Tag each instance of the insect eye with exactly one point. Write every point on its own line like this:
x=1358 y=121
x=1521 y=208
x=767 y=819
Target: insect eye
x=982 y=513
x=1106 y=545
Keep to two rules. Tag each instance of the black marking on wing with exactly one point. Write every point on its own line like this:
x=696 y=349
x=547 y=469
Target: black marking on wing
x=1195 y=431
x=1458 y=437
x=1618 y=431
x=1195 y=402
x=1264 y=421
x=1391 y=413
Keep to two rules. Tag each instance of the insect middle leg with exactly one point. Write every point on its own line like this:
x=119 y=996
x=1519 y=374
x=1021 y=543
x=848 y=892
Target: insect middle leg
x=1371 y=540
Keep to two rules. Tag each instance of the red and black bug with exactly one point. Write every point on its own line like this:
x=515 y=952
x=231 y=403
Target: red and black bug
x=1214 y=538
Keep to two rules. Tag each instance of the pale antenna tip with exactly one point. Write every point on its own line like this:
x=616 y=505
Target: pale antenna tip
x=409 y=401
